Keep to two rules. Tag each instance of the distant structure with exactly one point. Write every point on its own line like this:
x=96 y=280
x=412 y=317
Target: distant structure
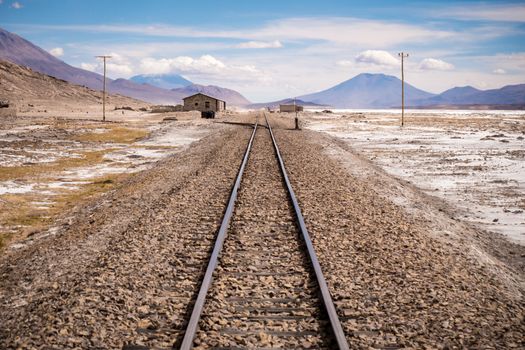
x=203 y=103
x=166 y=108
x=290 y=108
x=7 y=109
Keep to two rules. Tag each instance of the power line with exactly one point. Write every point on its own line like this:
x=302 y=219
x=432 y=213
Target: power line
x=104 y=88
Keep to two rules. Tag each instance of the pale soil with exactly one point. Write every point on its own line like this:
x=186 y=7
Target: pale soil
x=474 y=161
x=124 y=269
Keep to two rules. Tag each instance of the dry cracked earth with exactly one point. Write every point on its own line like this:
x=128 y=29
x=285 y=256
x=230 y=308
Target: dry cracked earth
x=123 y=270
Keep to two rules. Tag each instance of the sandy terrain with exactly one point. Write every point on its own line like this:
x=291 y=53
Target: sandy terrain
x=475 y=161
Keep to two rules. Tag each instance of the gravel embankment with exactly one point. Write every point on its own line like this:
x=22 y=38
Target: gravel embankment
x=123 y=270
x=263 y=294
x=394 y=283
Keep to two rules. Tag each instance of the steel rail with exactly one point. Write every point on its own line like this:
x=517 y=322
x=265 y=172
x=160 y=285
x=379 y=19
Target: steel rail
x=328 y=303
x=191 y=329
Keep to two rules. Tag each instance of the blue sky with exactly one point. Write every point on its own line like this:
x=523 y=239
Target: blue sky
x=276 y=49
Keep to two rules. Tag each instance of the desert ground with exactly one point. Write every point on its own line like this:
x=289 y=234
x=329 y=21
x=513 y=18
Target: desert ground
x=99 y=223
x=474 y=160
x=48 y=164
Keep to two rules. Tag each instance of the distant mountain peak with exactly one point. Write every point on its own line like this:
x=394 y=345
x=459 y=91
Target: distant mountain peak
x=464 y=88
x=367 y=90
x=165 y=81
x=368 y=75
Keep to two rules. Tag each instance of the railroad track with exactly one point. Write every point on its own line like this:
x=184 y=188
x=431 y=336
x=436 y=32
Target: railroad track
x=263 y=287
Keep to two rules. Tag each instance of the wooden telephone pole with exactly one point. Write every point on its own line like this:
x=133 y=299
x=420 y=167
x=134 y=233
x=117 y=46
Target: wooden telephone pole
x=104 y=89
x=403 y=56
x=296 y=117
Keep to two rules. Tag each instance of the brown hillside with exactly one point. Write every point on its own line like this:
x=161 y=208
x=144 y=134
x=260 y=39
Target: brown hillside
x=30 y=90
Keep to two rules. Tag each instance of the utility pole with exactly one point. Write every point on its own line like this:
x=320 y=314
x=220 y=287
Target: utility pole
x=104 y=89
x=296 y=117
x=402 y=55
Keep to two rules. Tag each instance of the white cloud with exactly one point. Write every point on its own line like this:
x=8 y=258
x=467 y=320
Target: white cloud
x=348 y=31
x=205 y=69
x=377 y=57
x=88 y=66
x=151 y=48
x=119 y=70
x=499 y=71
x=260 y=45
x=118 y=59
x=345 y=63
x=16 y=5
x=57 y=51
x=205 y=65
x=435 y=64
x=502 y=13
x=513 y=62
x=116 y=66
x=340 y=30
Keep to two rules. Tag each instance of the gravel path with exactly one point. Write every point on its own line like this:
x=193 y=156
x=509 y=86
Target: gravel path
x=263 y=294
x=125 y=270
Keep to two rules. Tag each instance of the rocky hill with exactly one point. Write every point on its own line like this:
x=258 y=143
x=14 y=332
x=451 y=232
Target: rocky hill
x=18 y=50
x=23 y=86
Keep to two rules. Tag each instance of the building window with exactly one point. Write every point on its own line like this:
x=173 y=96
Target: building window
x=207 y=104
x=196 y=104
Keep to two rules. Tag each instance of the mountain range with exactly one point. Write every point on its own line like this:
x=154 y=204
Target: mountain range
x=16 y=49
x=362 y=91
x=511 y=95
x=384 y=91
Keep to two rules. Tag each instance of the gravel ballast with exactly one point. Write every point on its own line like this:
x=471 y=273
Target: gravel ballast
x=264 y=294
x=124 y=270
x=395 y=285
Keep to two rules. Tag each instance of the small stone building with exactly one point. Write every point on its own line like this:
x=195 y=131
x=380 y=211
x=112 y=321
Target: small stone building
x=290 y=108
x=201 y=102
